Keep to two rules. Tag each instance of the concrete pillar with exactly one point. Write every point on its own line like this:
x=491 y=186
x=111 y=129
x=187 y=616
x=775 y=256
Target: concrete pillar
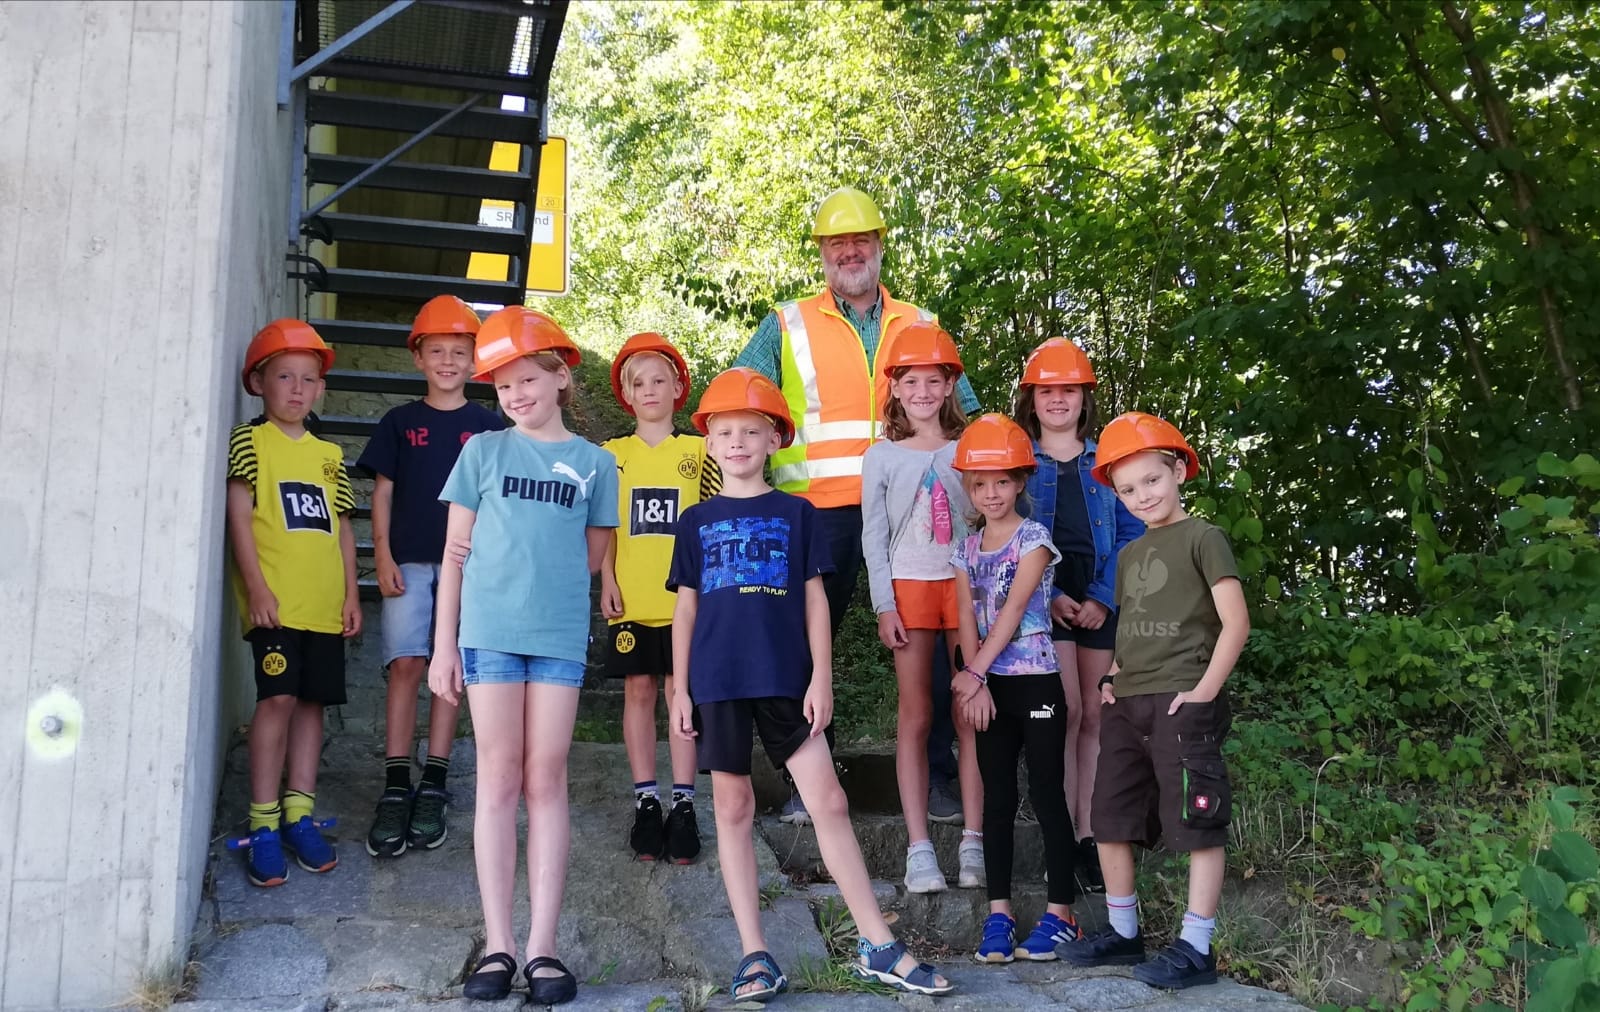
x=143 y=189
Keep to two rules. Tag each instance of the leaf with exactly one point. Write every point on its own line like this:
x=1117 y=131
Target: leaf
x=1511 y=486
x=1551 y=466
x=1575 y=856
x=1249 y=528
x=1562 y=928
x=1515 y=519
x=1543 y=889
x=1553 y=986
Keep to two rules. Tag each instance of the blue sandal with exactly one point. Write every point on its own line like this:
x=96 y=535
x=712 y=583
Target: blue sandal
x=877 y=963
x=758 y=968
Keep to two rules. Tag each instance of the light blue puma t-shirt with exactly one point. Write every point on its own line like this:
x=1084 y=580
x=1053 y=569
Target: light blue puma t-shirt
x=526 y=584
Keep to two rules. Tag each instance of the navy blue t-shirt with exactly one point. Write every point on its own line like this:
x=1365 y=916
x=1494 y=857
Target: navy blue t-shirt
x=415 y=446
x=749 y=559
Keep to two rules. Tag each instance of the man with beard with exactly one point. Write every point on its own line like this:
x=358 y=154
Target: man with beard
x=822 y=351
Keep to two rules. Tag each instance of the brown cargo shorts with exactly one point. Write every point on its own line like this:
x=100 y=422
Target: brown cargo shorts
x=1162 y=777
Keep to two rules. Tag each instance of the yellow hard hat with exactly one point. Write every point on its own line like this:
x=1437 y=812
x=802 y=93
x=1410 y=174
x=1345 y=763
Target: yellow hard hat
x=847 y=210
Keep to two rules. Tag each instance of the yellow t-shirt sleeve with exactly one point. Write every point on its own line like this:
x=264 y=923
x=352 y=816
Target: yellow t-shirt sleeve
x=344 y=494
x=710 y=475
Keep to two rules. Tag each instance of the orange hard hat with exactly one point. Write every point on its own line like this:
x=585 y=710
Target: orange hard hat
x=1134 y=433
x=1058 y=362
x=443 y=314
x=922 y=343
x=743 y=389
x=280 y=336
x=516 y=332
x=993 y=442
x=652 y=342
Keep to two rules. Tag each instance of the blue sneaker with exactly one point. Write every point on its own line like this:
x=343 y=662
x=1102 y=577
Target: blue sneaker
x=311 y=851
x=1050 y=932
x=264 y=864
x=999 y=940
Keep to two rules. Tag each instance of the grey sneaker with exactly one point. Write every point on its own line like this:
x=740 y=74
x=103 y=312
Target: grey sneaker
x=943 y=805
x=923 y=874
x=794 y=810
x=971 y=857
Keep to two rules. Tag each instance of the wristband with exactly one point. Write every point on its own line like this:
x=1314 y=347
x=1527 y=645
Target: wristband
x=982 y=679
x=1105 y=680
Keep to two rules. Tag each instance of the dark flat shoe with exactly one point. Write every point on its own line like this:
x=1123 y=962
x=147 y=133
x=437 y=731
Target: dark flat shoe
x=491 y=980
x=549 y=990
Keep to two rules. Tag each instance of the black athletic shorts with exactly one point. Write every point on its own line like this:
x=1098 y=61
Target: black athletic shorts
x=634 y=649
x=1073 y=574
x=294 y=662
x=725 y=731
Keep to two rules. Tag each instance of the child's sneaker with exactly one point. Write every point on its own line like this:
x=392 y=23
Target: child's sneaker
x=1106 y=948
x=1178 y=965
x=310 y=850
x=683 y=833
x=264 y=862
x=387 y=837
x=647 y=839
x=999 y=940
x=427 y=829
x=1050 y=932
x=922 y=872
x=794 y=811
x=970 y=856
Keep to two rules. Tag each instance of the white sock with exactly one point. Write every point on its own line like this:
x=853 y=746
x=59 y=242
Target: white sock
x=1123 y=912
x=1197 y=931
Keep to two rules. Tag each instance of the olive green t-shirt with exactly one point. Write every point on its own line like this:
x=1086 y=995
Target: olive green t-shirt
x=1167 y=624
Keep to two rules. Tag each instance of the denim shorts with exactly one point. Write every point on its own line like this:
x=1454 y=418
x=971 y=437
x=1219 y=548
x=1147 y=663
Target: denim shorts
x=408 y=619
x=491 y=667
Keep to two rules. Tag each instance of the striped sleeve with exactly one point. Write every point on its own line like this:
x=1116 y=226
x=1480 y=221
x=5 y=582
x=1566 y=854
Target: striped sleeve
x=344 y=494
x=242 y=453
x=710 y=478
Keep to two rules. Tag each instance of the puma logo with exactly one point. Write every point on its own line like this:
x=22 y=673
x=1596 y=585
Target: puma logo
x=564 y=469
x=1044 y=712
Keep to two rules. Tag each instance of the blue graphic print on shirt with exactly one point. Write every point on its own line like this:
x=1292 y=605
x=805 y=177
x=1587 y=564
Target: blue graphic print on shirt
x=746 y=552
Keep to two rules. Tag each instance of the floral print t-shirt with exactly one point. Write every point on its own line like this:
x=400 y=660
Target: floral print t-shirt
x=991 y=574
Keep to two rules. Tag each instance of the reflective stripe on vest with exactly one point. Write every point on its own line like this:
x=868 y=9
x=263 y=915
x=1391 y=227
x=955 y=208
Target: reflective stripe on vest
x=833 y=395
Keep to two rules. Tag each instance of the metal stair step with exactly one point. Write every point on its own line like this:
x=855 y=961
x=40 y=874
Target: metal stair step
x=431 y=234
x=485 y=122
x=347 y=425
x=394 y=383
x=380 y=335
x=423 y=177
x=420 y=287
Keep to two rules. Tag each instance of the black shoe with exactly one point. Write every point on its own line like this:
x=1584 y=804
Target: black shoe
x=683 y=833
x=1178 y=965
x=491 y=979
x=1107 y=948
x=550 y=990
x=1088 y=867
x=647 y=838
x=387 y=838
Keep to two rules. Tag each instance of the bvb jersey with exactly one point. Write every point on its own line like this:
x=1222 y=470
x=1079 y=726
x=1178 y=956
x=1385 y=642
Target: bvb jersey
x=300 y=488
x=655 y=485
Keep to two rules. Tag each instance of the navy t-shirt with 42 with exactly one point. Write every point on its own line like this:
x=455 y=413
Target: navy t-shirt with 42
x=415 y=446
x=749 y=560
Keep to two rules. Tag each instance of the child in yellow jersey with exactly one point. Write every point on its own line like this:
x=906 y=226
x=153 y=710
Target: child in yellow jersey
x=294 y=553
x=660 y=472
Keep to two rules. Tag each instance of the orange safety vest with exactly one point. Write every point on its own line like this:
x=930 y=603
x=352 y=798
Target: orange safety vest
x=835 y=395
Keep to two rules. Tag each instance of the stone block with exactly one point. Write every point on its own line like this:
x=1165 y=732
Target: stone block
x=270 y=960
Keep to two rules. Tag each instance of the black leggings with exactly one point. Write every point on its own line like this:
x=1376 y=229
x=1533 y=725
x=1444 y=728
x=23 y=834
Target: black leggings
x=1031 y=720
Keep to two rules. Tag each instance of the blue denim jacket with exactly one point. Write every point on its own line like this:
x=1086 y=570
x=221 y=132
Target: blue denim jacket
x=1112 y=525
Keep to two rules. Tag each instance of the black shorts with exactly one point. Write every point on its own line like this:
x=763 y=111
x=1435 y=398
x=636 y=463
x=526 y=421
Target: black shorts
x=1073 y=575
x=1162 y=776
x=725 y=731
x=634 y=649
x=294 y=662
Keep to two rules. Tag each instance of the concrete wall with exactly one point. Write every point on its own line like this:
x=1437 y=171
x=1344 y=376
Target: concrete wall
x=143 y=187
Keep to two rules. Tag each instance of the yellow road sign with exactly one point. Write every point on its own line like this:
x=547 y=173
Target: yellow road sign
x=547 y=254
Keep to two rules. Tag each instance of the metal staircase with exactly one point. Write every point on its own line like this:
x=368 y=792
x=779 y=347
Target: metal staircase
x=397 y=107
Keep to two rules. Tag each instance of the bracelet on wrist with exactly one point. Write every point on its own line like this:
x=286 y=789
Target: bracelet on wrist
x=981 y=679
x=1105 y=680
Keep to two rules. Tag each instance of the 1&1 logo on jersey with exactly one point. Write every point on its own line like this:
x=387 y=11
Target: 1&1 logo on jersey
x=305 y=507
x=652 y=511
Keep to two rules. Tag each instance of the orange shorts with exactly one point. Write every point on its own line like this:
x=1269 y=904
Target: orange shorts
x=926 y=604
